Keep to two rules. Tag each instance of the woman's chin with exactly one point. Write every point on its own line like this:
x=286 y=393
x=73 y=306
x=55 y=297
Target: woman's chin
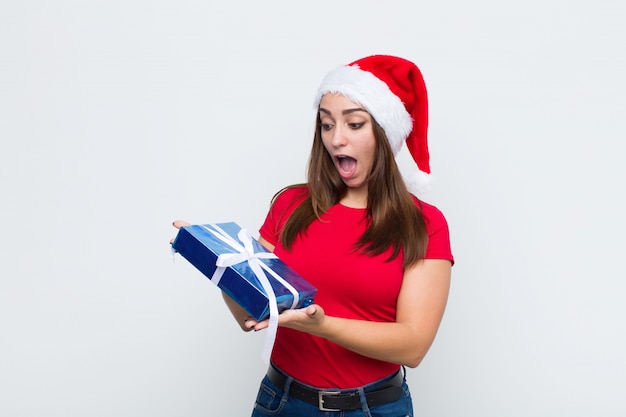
x=355 y=184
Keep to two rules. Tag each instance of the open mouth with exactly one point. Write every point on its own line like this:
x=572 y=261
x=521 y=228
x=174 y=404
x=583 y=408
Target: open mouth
x=347 y=164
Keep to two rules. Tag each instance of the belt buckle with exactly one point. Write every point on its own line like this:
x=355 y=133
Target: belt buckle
x=320 y=400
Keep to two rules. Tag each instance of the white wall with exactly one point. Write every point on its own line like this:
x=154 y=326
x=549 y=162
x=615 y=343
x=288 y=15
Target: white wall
x=118 y=117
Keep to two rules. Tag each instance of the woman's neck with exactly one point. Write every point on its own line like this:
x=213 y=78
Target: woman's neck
x=355 y=198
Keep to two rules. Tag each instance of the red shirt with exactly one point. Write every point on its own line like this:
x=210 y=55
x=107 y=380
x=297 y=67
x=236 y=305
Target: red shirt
x=350 y=284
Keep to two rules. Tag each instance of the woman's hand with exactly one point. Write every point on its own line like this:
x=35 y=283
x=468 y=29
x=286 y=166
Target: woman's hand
x=306 y=319
x=421 y=304
x=245 y=321
x=178 y=224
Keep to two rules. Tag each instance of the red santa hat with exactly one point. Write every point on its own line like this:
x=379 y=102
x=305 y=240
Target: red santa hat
x=392 y=90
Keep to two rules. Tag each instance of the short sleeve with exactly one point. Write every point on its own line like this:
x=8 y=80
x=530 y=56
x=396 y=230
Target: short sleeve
x=439 y=246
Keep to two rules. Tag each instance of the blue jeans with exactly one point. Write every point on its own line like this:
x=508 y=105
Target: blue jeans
x=272 y=401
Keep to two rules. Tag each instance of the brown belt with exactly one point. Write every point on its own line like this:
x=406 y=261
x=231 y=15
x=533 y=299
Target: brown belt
x=339 y=400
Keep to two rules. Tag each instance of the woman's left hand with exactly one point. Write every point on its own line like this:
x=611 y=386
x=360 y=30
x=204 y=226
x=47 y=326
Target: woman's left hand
x=420 y=307
x=306 y=319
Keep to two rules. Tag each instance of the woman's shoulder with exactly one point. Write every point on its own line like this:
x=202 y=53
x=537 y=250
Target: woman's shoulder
x=291 y=193
x=283 y=204
x=430 y=212
x=286 y=199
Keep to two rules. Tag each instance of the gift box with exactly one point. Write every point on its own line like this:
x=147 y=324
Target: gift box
x=243 y=268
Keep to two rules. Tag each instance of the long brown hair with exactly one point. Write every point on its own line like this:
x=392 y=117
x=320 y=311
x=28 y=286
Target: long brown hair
x=393 y=218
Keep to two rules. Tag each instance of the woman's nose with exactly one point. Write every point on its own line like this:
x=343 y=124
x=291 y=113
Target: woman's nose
x=339 y=137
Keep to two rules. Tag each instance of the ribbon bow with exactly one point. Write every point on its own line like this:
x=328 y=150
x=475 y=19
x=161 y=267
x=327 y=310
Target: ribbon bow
x=246 y=253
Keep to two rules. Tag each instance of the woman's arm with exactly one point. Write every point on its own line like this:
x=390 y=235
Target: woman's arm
x=421 y=305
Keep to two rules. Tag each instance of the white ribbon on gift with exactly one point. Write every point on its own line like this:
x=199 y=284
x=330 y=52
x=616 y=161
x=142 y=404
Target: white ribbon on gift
x=246 y=253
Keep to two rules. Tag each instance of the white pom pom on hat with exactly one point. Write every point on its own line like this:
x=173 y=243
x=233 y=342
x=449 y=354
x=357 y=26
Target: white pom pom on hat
x=393 y=91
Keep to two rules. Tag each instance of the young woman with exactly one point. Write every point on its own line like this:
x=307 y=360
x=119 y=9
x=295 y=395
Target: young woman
x=379 y=257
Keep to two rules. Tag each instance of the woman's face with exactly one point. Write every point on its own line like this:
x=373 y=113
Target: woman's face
x=348 y=136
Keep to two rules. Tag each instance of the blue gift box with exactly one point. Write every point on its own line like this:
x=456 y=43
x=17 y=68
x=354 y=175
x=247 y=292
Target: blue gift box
x=210 y=247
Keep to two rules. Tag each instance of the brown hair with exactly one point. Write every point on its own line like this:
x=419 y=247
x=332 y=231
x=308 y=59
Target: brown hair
x=393 y=218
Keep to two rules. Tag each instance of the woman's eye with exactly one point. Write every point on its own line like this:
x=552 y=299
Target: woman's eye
x=356 y=126
x=326 y=126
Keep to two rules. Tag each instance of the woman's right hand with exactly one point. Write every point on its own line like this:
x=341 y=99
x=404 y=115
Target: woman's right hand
x=178 y=224
x=245 y=321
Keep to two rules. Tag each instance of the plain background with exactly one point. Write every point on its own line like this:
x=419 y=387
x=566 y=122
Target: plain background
x=117 y=117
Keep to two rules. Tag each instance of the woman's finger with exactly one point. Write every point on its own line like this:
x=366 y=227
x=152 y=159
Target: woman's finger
x=180 y=223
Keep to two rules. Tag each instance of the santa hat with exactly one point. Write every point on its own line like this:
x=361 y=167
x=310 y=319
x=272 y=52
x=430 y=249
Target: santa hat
x=392 y=90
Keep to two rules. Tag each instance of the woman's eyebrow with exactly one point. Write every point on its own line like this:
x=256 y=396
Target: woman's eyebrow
x=343 y=112
x=348 y=111
x=323 y=110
